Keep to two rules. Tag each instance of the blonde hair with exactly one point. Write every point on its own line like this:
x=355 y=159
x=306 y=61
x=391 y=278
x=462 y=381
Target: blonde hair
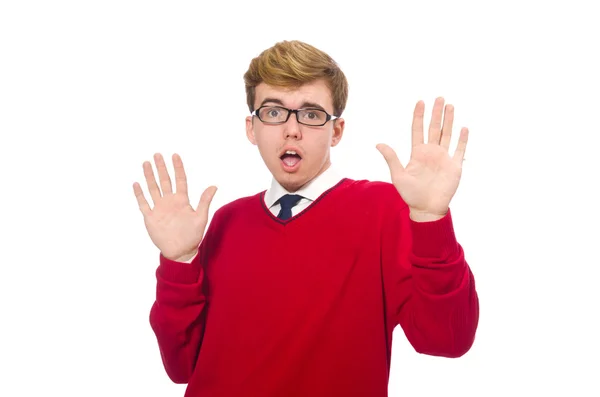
x=291 y=64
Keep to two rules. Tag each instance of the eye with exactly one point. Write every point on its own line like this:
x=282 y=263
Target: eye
x=273 y=113
x=314 y=115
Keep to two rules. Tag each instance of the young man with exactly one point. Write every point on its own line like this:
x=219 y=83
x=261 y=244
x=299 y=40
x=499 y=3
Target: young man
x=296 y=291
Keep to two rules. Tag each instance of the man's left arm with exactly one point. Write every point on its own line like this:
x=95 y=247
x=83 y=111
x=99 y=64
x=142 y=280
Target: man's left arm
x=429 y=286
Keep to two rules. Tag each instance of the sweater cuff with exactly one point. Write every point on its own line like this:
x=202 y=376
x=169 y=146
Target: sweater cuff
x=435 y=239
x=179 y=272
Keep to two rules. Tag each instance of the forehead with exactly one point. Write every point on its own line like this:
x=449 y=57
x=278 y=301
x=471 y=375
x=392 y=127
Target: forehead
x=315 y=92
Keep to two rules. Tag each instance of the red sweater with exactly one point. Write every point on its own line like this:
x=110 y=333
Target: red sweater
x=307 y=307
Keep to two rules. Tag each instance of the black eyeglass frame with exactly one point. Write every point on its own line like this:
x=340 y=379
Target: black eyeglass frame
x=328 y=116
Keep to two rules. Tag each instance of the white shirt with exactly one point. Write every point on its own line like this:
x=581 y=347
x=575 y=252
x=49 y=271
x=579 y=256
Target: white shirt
x=309 y=192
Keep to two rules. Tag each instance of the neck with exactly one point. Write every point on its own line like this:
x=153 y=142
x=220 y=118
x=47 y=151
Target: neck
x=291 y=187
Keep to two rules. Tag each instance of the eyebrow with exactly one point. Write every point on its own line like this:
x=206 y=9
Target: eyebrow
x=303 y=106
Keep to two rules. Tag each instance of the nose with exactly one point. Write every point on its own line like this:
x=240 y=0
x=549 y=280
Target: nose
x=291 y=129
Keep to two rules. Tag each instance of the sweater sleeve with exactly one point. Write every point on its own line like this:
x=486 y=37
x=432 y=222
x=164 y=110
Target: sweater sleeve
x=177 y=315
x=430 y=288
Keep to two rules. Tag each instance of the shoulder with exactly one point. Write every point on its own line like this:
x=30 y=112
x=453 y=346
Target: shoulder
x=237 y=205
x=374 y=192
x=228 y=215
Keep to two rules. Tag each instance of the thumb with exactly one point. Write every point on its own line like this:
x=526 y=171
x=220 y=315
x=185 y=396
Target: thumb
x=391 y=158
x=206 y=199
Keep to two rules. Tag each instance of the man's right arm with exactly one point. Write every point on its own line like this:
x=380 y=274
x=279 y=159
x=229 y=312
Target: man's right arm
x=177 y=315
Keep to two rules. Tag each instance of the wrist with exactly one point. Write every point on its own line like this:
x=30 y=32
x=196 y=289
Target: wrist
x=424 y=216
x=184 y=257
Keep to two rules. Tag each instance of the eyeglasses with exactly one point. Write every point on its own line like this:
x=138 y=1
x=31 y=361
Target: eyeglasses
x=280 y=115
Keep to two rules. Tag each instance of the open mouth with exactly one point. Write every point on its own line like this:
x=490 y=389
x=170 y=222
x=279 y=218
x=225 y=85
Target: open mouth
x=290 y=158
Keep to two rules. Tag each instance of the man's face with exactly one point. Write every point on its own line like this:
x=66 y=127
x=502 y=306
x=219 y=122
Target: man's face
x=311 y=143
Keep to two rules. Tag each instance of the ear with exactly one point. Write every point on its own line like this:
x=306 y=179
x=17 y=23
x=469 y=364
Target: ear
x=338 y=131
x=250 y=130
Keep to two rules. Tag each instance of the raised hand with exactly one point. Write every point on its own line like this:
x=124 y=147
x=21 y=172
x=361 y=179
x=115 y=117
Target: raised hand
x=173 y=225
x=431 y=177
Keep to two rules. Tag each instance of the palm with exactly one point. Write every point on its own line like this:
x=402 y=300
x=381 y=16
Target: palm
x=173 y=225
x=431 y=178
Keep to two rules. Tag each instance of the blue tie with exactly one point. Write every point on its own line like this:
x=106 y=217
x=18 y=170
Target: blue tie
x=287 y=202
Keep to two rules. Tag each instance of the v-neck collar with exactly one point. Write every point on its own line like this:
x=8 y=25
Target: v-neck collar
x=267 y=196
x=310 y=191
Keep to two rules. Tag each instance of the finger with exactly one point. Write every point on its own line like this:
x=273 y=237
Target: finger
x=461 y=147
x=205 y=200
x=151 y=181
x=417 y=124
x=180 y=177
x=141 y=200
x=391 y=158
x=163 y=174
x=435 y=126
x=447 y=127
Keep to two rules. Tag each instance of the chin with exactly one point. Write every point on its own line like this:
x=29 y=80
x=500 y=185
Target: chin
x=292 y=177
x=292 y=182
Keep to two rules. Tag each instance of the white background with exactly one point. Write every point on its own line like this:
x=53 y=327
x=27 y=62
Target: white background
x=91 y=89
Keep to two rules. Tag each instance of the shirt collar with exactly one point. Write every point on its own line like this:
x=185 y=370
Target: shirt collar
x=311 y=191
